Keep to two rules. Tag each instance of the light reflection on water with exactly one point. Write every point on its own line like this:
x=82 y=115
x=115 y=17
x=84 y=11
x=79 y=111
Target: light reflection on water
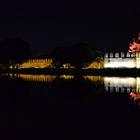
x=40 y=78
x=52 y=101
x=120 y=84
x=94 y=78
x=111 y=84
x=129 y=85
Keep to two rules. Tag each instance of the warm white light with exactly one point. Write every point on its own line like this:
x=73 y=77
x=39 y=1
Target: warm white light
x=120 y=81
x=120 y=63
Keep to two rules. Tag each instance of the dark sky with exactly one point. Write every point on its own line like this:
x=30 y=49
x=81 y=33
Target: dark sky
x=106 y=25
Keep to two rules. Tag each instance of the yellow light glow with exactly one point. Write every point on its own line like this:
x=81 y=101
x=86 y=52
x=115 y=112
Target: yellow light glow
x=36 y=78
x=95 y=65
x=36 y=63
x=67 y=76
x=94 y=78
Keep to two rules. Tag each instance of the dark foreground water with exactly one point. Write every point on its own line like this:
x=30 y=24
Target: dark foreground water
x=35 y=106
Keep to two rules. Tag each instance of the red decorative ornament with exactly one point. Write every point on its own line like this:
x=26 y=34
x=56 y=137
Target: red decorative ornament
x=135 y=46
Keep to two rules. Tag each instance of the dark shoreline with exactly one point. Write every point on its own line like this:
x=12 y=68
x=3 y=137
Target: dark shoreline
x=50 y=71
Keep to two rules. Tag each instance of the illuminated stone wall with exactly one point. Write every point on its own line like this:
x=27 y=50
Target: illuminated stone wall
x=117 y=60
x=94 y=65
x=122 y=60
x=111 y=60
x=37 y=63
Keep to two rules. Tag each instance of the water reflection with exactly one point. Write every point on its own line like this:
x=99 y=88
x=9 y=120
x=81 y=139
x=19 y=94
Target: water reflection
x=120 y=84
x=94 y=78
x=67 y=77
x=111 y=84
x=15 y=103
x=129 y=85
x=40 y=78
x=41 y=101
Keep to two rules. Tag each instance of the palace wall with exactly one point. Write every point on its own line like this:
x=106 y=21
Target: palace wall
x=36 y=63
x=111 y=60
x=122 y=60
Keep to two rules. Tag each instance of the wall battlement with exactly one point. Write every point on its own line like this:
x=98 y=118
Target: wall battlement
x=122 y=60
x=37 y=63
x=110 y=60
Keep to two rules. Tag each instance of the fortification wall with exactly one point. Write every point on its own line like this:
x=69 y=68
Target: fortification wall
x=122 y=60
x=37 y=63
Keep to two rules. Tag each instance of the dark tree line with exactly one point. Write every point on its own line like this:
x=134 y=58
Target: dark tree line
x=16 y=51
x=13 y=51
x=78 y=55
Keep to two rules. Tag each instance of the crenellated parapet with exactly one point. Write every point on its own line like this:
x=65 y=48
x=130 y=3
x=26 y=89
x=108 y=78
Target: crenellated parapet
x=122 y=55
x=37 y=63
x=122 y=60
x=110 y=60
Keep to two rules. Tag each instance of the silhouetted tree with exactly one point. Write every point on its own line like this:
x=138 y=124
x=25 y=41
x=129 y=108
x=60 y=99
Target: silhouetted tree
x=13 y=51
x=77 y=55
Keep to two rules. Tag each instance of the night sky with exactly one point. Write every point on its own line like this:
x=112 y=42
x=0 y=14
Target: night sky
x=104 y=25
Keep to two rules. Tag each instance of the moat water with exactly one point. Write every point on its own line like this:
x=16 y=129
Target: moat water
x=66 y=104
